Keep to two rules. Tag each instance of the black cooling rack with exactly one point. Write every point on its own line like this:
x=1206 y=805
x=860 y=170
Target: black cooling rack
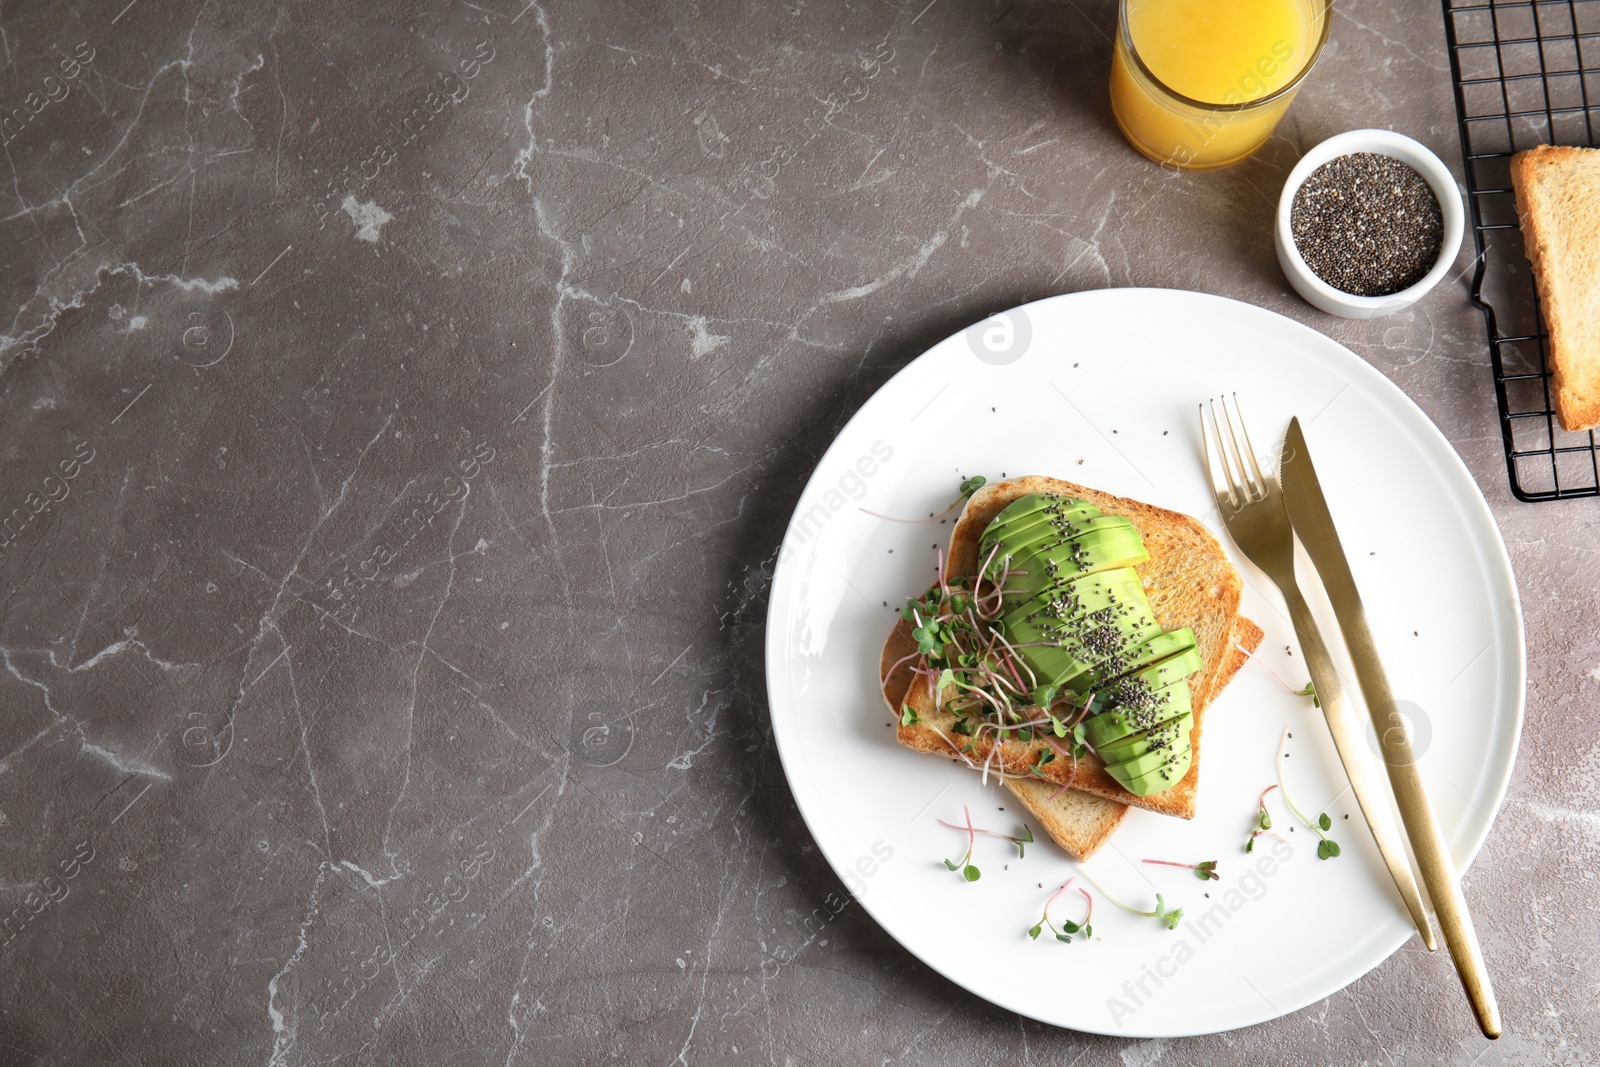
x=1526 y=73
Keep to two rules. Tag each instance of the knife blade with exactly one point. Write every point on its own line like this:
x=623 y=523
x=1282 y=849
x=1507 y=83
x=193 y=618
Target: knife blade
x=1313 y=522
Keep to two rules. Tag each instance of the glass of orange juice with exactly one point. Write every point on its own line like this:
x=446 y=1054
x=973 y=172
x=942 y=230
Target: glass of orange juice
x=1202 y=83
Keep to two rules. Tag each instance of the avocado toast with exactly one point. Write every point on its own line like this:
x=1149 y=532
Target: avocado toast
x=1168 y=602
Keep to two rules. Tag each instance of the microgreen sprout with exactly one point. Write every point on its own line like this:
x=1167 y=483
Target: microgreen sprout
x=1327 y=847
x=1020 y=840
x=1068 y=927
x=1205 y=870
x=1309 y=691
x=969 y=668
x=1263 y=821
x=968 y=487
x=965 y=866
x=1169 y=918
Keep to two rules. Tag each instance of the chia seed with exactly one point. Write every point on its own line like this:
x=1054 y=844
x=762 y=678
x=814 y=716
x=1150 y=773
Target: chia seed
x=1367 y=224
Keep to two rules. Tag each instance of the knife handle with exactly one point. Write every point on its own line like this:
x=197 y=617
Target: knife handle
x=1422 y=827
x=1349 y=738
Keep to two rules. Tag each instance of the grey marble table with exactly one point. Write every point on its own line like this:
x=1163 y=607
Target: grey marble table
x=404 y=403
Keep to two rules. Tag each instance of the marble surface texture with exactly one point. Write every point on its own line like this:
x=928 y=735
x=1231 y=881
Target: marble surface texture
x=384 y=684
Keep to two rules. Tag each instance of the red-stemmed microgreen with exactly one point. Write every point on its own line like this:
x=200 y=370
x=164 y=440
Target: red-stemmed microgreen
x=965 y=866
x=1205 y=870
x=1309 y=690
x=1170 y=919
x=1327 y=847
x=1068 y=927
x=968 y=487
x=1263 y=824
x=1020 y=840
x=968 y=668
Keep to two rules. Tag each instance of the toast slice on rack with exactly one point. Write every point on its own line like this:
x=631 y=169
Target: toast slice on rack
x=1558 y=204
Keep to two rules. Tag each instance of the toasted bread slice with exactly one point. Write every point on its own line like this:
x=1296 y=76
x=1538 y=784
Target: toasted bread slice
x=1189 y=581
x=1558 y=203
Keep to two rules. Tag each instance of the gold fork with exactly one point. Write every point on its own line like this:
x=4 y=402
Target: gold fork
x=1252 y=509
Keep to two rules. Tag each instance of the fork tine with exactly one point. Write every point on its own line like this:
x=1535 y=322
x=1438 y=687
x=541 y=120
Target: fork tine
x=1220 y=486
x=1231 y=467
x=1236 y=488
x=1236 y=453
x=1250 y=449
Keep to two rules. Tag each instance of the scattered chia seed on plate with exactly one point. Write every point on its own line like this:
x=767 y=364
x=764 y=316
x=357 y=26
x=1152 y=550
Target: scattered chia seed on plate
x=1367 y=224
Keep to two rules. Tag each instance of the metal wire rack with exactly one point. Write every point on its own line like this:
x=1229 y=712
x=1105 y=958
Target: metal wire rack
x=1526 y=72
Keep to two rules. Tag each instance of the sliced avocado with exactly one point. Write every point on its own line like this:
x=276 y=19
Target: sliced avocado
x=1171 y=670
x=1080 y=646
x=1162 y=737
x=1074 y=597
x=1144 y=709
x=1061 y=520
x=1064 y=522
x=1067 y=673
x=1056 y=557
x=1050 y=563
x=1164 y=777
x=1164 y=672
x=1025 y=506
x=1136 y=659
x=1133 y=691
x=1035 y=508
x=1141 y=765
x=1047 y=536
x=1132 y=619
x=1152 y=653
x=1164 y=734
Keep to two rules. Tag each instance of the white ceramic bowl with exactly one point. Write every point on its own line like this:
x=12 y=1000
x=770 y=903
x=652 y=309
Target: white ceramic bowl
x=1384 y=142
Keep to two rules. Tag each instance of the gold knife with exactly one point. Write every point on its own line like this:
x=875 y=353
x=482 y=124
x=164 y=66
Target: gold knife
x=1313 y=522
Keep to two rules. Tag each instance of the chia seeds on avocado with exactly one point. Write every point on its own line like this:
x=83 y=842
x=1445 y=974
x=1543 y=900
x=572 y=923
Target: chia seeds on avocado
x=1367 y=224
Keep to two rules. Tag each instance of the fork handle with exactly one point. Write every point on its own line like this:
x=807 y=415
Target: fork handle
x=1350 y=740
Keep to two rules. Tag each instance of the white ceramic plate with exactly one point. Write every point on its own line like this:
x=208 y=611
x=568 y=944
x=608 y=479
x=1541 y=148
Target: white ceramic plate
x=1102 y=388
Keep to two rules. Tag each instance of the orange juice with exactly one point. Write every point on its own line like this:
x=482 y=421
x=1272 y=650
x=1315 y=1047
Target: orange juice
x=1202 y=83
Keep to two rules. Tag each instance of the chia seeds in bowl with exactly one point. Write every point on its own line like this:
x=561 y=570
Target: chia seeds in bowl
x=1367 y=224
